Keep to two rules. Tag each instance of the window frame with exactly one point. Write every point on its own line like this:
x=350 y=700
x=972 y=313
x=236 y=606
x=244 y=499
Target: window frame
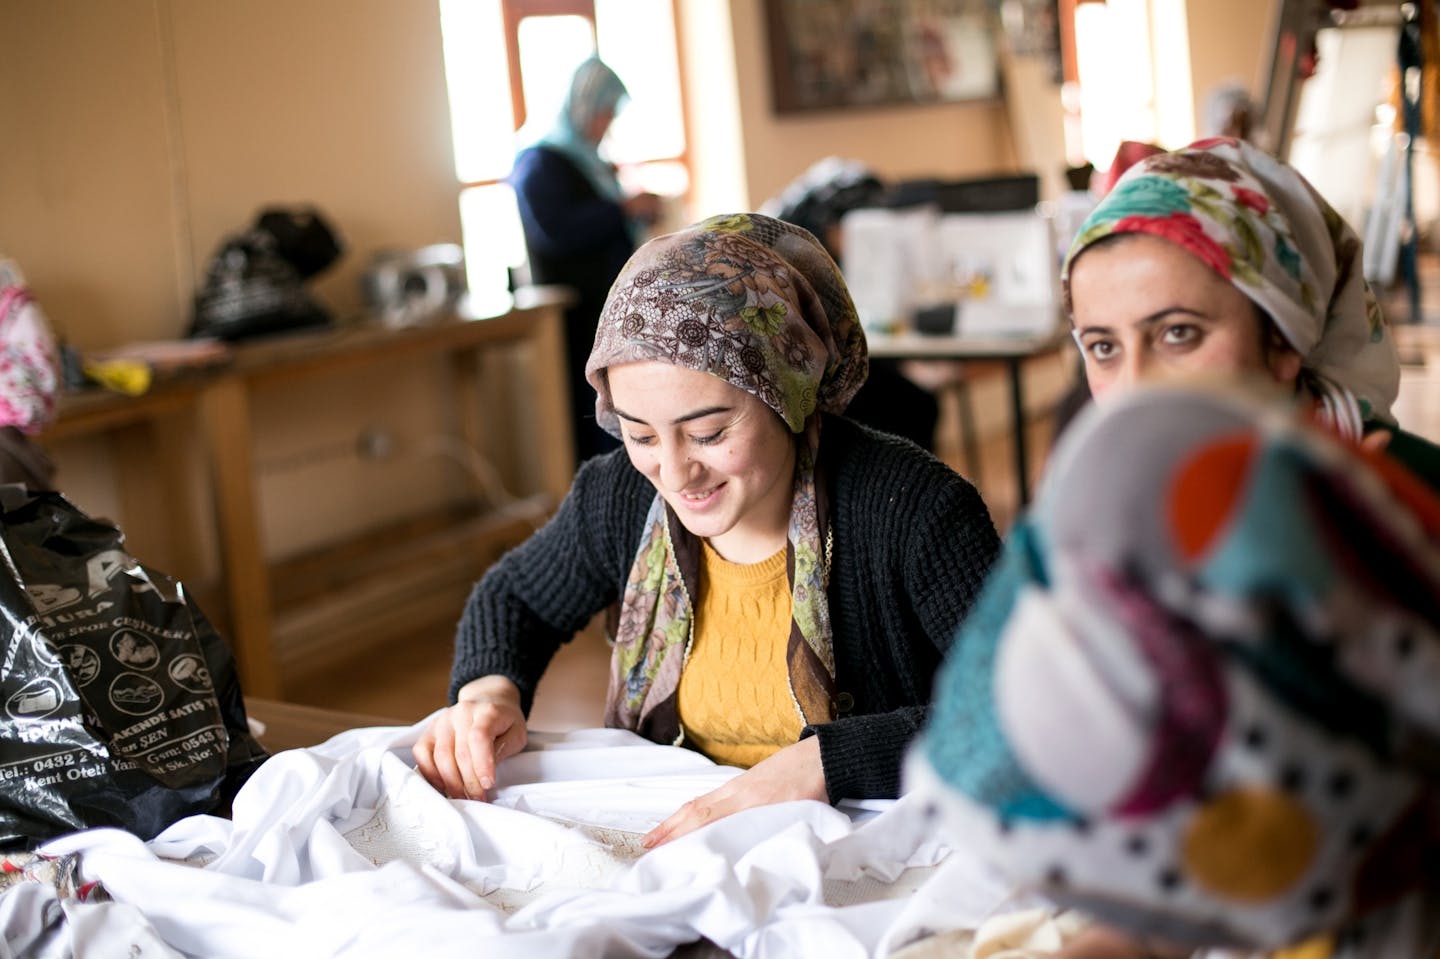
x=513 y=11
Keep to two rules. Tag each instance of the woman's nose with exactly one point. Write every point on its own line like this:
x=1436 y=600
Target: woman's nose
x=1131 y=370
x=675 y=468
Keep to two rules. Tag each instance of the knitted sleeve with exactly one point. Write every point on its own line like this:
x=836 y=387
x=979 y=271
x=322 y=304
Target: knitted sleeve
x=941 y=541
x=541 y=593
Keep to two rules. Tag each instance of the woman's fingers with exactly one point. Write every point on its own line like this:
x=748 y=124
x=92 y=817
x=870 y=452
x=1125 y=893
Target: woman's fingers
x=688 y=818
x=446 y=767
x=458 y=752
x=794 y=772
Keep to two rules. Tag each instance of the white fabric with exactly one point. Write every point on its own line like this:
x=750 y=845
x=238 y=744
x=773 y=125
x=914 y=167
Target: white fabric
x=344 y=850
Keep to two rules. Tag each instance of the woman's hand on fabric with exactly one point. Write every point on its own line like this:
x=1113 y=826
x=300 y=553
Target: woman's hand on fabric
x=458 y=752
x=794 y=772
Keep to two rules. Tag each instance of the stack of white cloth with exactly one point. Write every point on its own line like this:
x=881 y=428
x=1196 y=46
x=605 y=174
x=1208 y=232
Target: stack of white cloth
x=344 y=850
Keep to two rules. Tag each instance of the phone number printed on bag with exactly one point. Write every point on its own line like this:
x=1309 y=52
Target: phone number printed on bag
x=71 y=765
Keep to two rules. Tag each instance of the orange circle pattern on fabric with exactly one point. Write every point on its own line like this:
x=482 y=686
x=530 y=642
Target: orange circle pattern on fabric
x=1205 y=491
x=1250 y=844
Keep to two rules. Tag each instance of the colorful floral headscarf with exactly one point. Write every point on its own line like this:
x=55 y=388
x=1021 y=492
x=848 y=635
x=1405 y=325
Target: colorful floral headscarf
x=760 y=304
x=29 y=377
x=1198 y=695
x=1261 y=226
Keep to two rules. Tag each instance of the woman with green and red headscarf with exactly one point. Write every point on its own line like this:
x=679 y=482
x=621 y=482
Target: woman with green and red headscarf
x=1197 y=697
x=787 y=580
x=1220 y=260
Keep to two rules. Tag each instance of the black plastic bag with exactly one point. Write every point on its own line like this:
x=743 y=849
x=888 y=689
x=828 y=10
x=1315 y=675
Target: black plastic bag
x=302 y=237
x=255 y=284
x=119 y=703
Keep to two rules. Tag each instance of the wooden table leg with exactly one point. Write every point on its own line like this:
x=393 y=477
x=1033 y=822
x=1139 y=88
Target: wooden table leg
x=229 y=449
x=552 y=405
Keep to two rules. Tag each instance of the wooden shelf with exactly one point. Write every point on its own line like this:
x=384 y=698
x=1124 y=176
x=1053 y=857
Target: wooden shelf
x=284 y=616
x=333 y=603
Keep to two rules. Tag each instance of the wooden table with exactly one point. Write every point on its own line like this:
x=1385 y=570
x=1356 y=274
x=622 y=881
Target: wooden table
x=219 y=401
x=1011 y=350
x=293 y=726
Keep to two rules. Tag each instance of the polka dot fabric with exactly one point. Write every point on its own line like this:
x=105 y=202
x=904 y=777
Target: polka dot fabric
x=1198 y=695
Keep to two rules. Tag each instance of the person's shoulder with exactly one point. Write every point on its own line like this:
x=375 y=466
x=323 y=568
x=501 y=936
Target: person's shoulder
x=1416 y=453
x=541 y=156
x=872 y=470
x=608 y=482
x=854 y=449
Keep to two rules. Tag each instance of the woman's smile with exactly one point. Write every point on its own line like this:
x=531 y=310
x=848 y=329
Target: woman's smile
x=700 y=499
x=722 y=459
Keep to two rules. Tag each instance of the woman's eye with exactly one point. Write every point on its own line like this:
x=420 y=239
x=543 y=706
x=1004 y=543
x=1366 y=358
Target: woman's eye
x=1181 y=334
x=639 y=440
x=1100 y=350
x=708 y=440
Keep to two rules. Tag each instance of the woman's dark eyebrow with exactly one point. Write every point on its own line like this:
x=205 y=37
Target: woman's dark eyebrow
x=1150 y=320
x=1168 y=311
x=693 y=415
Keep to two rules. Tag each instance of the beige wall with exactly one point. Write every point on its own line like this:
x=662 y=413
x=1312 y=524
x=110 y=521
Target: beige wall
x=1229 y=42
x=147 y=129
x=85 y=183
x=337 y=102
x=142 y=131
x=947 y=140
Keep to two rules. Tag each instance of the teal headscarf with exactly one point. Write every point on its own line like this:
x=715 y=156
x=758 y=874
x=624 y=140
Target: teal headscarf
x=594 y=89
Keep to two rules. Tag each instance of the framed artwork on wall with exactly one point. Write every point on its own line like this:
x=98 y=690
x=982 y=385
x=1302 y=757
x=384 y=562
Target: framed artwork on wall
x=828 y=54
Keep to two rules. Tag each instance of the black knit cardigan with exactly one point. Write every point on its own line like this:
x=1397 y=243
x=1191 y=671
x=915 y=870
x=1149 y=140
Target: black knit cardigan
x=912 y=543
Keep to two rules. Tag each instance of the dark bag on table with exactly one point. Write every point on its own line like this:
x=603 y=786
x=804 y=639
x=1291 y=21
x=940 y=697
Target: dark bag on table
x=119 y=703
x=255 y=284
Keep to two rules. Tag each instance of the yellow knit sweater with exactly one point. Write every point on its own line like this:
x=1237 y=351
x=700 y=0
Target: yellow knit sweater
x=734 y=698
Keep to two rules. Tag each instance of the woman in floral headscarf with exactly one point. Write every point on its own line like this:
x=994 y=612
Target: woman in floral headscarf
x=788 y=580
x=1197 y=698
x=1220 y=259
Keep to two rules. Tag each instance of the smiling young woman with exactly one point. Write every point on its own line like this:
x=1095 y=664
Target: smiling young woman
x=787 y=580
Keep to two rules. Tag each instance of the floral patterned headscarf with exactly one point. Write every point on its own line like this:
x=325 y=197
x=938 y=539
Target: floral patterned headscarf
x=760 y=304
x=1260 y=225
x=1197 y=697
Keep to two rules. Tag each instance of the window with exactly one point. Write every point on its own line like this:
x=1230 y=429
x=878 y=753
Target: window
x=508 y=64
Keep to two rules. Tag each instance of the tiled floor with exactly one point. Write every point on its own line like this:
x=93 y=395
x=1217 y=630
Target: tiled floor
x=409 y=679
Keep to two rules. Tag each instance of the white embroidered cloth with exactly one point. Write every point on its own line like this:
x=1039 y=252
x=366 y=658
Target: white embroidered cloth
x=344 y=850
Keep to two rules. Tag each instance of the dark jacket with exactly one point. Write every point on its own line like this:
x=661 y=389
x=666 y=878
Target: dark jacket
x=1418 y=454
x=913 y=542
x=574 y=237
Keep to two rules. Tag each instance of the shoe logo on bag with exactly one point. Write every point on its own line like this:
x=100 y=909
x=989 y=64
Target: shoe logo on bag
x=48 y=598
x=82 y=661
x=35 y=700
x=133 y=649
x=190 y=672
x=135 y=694
x=99 y=570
